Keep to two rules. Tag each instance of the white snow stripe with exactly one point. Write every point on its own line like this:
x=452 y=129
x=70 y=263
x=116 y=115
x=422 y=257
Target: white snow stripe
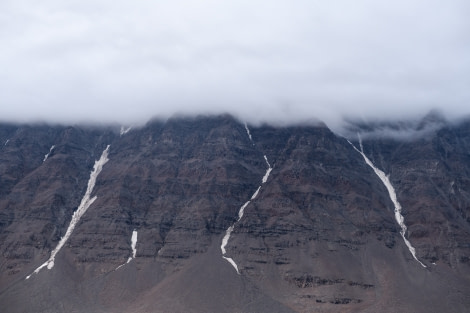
x=267 y=162
x=248 y=132
x=231 y=261
x=47 y=155
x=134 y=243
x=266 y=176
x=133 y=247
x=393 y=196
x=229 y=230
x=124 y=130
x=226 y=238
x=242 y=210
x=268 y=171
x=82 y=208
x=256 y=193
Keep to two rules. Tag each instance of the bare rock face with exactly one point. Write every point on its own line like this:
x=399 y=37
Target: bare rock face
x=432 y=178
x=39 y=194
x=317 y=232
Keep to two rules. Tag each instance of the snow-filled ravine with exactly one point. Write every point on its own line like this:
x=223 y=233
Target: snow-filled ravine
x=47 y=155
x=229 y=230
x=124 y=130
x=393 y=196
x=86 y=202
x=249 y=134
x=133 y=247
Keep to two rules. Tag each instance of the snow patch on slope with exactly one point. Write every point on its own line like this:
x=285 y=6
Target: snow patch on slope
x=226 y=238
x=242 y=209
x=47 y=155
x=124 y=130
x=256 y=193
x=231 y=261
x=249 y=134
x=229 y=230
x=133 y=245
x=265 y=177
x=86 y=202
x=393 y=196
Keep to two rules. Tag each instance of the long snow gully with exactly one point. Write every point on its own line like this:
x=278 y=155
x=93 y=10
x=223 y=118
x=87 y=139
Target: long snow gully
x=393 y=196
x=229 y=230
x=86 y=202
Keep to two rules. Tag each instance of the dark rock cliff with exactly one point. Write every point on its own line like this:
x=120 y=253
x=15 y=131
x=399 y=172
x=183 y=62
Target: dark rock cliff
x=320 y=236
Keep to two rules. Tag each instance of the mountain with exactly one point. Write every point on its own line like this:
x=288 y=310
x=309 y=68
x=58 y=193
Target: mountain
x=207 y=214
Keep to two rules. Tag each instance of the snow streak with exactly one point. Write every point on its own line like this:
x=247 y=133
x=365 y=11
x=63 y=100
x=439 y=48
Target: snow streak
x=242 y=210
x=6 y=142
x=265 y=177
x=82 y=208
x=393 y=196
x=249 y=134
x=133 y=247
x=231 y=261
x=47 y=155
x=124 y=130
x=256 y=193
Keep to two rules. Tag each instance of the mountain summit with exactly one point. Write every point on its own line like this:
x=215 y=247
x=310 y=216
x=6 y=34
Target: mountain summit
x=208 y=214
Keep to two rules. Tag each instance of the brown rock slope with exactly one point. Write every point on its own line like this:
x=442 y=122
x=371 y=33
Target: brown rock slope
x=320 y=236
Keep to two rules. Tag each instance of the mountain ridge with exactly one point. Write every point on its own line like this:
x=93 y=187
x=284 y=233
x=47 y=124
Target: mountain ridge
x=320 y=235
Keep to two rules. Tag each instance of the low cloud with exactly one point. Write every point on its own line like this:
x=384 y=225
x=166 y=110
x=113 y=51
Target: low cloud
x=275 y=61
x=407 y=128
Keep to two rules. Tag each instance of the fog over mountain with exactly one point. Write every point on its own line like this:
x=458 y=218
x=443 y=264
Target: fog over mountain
x=126 y=62
x=172 y=156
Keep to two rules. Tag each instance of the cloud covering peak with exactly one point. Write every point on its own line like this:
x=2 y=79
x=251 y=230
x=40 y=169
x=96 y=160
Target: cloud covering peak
x=127 y=61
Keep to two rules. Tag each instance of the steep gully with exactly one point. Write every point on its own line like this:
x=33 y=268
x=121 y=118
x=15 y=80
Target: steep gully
x=393 y=196
x=229 y=230
x=86 y=202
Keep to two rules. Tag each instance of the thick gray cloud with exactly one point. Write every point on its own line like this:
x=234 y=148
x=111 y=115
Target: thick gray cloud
x=127 y=61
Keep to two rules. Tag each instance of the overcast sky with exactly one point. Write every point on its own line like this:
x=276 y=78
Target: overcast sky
x=127 y=61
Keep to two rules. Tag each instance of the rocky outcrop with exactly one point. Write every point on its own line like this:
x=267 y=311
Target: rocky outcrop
x=39 y=197
x=431 y=175
x=320 y=235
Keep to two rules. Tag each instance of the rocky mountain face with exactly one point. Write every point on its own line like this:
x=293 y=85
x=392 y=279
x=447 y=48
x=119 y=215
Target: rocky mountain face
x=313 y=228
